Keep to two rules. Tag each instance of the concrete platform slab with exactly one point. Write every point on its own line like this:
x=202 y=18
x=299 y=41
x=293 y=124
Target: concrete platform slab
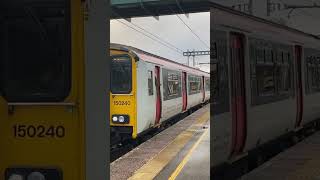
x=149 y=158
x=300 y=162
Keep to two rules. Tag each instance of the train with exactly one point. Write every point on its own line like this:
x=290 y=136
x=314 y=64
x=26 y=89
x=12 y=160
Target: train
x=53 y=100
x=265 y=85
x=146 y=90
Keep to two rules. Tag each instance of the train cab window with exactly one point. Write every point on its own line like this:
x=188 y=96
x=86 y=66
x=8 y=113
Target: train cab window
x=121 y=74
x=35 y=55
x=150 y=83
x=171 y=84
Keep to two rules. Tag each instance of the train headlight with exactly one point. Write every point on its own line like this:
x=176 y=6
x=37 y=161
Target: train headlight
x=115 y=119
x=15 y=177
x=36 y=176
x=120 y=119
x=33 y=174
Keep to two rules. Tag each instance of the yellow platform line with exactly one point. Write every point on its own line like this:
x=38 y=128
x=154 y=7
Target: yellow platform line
x=175 y=174
x=152 y=168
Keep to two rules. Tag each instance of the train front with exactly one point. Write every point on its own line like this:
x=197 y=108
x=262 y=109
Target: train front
x=122 y=95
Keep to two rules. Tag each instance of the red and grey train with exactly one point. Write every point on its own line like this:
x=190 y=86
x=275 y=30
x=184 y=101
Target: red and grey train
x=266 y=84
x=147 y=90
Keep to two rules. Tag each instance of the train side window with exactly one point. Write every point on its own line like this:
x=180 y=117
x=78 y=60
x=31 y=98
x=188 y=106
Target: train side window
x=150 y=83
x=265 y=80
x=214 y=51
x=194 y=84
x=268 y=55
x=219 y=75
x=207 y=84
x=282 y=73
x=279 y=57
x=171 y=84
x=260 y=55
x=312 y=66
x=35 y=52
x=271 y=80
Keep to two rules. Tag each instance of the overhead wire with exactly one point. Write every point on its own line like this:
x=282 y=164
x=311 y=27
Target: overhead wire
x=192 y=31
x=159 y=38
x=175 y=50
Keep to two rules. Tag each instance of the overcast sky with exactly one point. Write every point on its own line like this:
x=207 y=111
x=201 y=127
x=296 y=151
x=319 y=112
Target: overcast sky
x=170 y=29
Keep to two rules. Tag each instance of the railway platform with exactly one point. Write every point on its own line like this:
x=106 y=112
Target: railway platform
x=300 y=162
x=180 y=152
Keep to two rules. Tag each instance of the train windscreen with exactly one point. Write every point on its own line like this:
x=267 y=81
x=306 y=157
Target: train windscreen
x=121 y=74
x=35 y=60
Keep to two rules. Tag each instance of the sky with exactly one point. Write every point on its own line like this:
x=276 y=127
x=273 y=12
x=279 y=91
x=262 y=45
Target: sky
x=172 y=30
x=169 y=29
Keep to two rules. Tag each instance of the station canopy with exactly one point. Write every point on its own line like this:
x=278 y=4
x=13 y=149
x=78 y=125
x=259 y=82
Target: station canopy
x=155 y=8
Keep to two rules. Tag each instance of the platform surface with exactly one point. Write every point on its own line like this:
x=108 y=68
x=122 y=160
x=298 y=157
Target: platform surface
x=300 y=162
x=180 y=152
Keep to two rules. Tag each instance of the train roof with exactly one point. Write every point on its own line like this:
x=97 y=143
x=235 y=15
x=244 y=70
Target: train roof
x=248 y=24
x=152 y=58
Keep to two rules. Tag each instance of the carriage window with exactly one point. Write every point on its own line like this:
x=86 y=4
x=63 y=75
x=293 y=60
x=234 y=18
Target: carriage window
x=207 y=84
x=150 y=83
x=312 y=64
x=194 y=84
x=214 y=76
x=214 y=51
x=282 y=73
x=219 y=71
x=271 y=80
x=34 y=50
x=171 y=84
x=265 y=80
x=121 y=74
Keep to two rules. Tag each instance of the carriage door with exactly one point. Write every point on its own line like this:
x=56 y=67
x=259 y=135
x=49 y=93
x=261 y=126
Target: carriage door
x=184 y=91
x=238 y=92
x=158 y=93
x=298 y=52
x=203 y=90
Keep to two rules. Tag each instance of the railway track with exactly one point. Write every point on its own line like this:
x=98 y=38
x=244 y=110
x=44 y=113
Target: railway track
x=120 y=148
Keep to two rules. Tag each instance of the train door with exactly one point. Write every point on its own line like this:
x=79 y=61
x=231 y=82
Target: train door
x=203 y=89
x=238 y=92
x=184 y=91
x=298 y=52
x=158 y=93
